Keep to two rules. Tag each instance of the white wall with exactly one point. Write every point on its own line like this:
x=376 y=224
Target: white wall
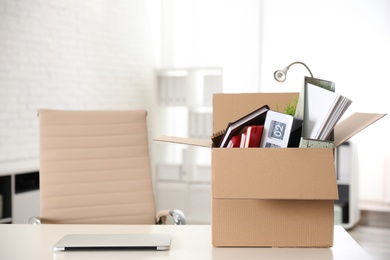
x=344 y=41
x=72 y=54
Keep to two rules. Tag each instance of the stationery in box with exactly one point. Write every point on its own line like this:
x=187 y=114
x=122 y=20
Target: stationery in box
x=274 y=197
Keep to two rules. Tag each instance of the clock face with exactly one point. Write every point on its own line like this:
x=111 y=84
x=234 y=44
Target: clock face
x=277 y=130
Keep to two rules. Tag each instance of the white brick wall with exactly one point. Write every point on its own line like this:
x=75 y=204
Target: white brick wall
x=73 y=55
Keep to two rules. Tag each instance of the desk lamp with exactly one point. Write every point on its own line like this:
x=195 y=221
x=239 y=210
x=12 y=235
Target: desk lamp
x=280 y=75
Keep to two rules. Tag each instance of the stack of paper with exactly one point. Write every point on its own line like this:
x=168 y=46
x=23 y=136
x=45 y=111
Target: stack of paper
x=323 y=109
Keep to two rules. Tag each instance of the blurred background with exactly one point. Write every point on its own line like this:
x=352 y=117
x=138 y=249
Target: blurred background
x=169 y=57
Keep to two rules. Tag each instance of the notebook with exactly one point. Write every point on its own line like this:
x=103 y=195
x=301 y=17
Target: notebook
x=113 y=242
x=256 y=117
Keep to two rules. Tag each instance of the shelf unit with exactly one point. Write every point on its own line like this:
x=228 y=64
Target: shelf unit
x=6 y=199
x=19 y=189
x=183 y=173
x=347 y=212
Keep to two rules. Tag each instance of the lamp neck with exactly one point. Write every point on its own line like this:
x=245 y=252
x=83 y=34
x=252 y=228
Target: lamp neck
x=298 y=62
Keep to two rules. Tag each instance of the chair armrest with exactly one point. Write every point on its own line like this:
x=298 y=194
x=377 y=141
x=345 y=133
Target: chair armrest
x=177 y=215
x=34 y=221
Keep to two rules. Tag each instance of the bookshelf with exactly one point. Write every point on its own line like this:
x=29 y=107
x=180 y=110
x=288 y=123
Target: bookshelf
x=347 y=211
x=6 y=199
x=19 y=190
x=183 y=173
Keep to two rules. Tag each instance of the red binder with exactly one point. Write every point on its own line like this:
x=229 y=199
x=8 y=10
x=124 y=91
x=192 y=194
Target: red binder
x=235 y=141
x=253 y=136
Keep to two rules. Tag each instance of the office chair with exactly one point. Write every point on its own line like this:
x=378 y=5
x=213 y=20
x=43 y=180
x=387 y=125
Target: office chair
x=95 y=169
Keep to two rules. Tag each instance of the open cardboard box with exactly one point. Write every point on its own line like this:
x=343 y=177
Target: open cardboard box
x=272 y=197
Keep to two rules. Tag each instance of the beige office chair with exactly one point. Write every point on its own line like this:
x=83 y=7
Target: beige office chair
x=95 y=169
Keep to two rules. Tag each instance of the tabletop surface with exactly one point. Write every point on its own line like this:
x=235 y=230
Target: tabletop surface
x=24 y=241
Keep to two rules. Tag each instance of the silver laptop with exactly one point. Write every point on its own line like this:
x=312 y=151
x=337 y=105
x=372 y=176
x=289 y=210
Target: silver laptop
x=113 y=242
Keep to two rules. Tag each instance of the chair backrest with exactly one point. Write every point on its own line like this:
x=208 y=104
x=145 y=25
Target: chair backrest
x=95 y=167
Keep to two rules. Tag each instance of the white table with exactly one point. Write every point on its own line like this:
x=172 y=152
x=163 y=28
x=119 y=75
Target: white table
x=24 y=242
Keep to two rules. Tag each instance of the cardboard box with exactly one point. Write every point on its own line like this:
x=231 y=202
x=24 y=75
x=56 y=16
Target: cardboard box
x=272 y=197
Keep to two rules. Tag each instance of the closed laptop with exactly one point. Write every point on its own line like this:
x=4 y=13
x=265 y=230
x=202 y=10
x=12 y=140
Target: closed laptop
x=113 y=242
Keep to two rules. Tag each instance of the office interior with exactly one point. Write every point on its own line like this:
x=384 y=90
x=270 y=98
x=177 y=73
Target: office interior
x=119 y=55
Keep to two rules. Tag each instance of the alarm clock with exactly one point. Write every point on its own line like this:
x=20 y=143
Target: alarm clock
x=281 y=130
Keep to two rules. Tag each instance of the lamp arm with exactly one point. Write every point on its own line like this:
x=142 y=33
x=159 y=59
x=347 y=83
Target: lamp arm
x=298 y=62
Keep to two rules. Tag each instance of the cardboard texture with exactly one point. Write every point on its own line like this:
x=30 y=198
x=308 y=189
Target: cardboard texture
x=271 y=197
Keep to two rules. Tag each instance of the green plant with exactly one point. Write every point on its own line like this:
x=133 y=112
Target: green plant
x=290 y=107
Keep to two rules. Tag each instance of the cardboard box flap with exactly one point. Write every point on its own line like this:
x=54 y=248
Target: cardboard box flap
x=230 y=107
x=353 y=125
x=294 y=173
x=184 y=140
